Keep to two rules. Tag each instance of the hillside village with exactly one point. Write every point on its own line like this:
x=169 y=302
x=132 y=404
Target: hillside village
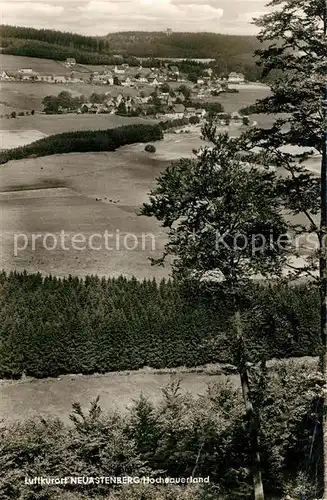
x=125 y=75
x=164 y=92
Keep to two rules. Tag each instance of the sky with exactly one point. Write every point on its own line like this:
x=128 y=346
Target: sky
x=100 y=17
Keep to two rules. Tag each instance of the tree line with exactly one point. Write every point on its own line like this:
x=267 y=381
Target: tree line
x=50 y=326
x=85 y=141
x=55 y=37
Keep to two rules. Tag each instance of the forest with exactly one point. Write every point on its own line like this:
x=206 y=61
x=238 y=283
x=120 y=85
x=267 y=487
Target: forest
x=51 y=326
x=69 y=40
x=230 y=53
x=85 y=141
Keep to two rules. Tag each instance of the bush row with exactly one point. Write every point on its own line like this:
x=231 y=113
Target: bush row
x=51 y=326
x=85 y=141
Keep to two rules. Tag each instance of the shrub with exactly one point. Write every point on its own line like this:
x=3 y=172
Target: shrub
x=149 y=148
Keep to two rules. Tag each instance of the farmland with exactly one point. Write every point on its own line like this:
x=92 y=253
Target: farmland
x=56 y=124
x=25 y=96
x=42 y=66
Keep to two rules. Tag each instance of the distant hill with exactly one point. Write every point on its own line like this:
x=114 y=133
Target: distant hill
x=232 y=53
x=185 y=45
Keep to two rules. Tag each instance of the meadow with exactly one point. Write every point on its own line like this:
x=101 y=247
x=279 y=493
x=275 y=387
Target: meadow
x=42 y=66
x=25 y=96
x=53 y=397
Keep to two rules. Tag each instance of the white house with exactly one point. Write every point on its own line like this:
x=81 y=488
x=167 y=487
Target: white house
x=119 y=71
x=60 y=79
x=153 y=81
x=236 y=78
x=236 y=116
x=47 y=78
x=174 y=70
x=26 y=71
x=143 y=79
x=178 y=110
x=200 y=112
x=125 y=81
x=119 y=99
x=105 y=78
x=29 y=78
x=189 y=112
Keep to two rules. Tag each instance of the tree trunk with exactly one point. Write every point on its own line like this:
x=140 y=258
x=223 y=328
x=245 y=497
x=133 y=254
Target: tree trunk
x=323 y=284
x=323 y=295
x=253 y=421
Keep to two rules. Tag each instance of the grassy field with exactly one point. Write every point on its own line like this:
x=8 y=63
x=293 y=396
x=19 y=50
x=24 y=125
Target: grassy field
x=25 y=96
x=80 y=193
x=56 y=124
x=86 y=193
x=42 y=66
x=53 y=397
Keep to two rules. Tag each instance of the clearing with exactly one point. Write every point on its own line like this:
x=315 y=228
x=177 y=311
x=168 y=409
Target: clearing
x=53 y=397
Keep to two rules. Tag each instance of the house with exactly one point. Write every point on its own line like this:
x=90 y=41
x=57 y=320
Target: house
x=125 y=81
x=25 y=71
x=60 y=79
x=200 y=81
x=104 y=79
x=174 y=70
x=145 y=100
x=107 y=109
x=236 y=78
x=70 y=61
x=29 y=78
x=119 y=99
x=153 y=81
x=189 y=112
x=178 y=110
x=200 y=112
x=208 y=72
x=143 y=79
x=46 y=78
x=72 y=79
x=236 y=116
x=119 y=71
x=110 y=102
x=180 y=97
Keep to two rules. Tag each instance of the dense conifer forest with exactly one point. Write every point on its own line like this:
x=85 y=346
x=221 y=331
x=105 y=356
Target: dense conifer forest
x=51 y=326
